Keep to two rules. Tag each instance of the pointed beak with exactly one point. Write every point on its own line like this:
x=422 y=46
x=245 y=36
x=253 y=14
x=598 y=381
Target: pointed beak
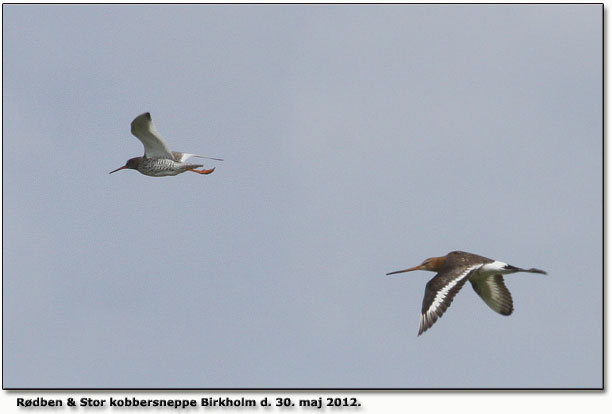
x=419 y=267
x=120 y=168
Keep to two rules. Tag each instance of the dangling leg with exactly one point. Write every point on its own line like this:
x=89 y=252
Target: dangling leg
x=202 y=171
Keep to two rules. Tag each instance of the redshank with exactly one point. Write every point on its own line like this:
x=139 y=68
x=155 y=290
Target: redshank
x=158 y=160
x=454 y=270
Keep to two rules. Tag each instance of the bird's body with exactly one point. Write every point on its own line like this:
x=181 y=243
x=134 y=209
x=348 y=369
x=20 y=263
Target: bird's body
x=456 y=268
x=158 y=160
x=161 y=167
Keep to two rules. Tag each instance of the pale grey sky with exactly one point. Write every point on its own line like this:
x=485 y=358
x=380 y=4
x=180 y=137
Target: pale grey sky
x=358 y=140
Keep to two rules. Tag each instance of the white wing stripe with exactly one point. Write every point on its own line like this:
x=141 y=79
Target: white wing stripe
x=441 y=294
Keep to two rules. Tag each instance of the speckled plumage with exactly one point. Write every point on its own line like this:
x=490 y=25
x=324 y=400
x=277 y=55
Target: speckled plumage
x=161 y=167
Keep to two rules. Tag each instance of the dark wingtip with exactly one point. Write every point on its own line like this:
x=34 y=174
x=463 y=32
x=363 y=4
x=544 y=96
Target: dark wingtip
x=534 y=270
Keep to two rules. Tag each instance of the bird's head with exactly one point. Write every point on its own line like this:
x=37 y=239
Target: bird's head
x=131 y=164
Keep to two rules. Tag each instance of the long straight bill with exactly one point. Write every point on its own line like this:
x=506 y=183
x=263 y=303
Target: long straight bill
x=405 y=270
x=120 y=168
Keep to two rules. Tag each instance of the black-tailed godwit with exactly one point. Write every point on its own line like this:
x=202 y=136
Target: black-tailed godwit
x=454 y=269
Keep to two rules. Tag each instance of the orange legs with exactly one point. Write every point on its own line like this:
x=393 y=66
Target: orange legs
x=202 y=171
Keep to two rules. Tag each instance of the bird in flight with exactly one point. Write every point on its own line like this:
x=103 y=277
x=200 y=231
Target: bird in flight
x=158 y=160
x=454 y=269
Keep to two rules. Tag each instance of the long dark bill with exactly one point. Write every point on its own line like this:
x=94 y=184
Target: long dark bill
x=405 y=270
x=120 y=168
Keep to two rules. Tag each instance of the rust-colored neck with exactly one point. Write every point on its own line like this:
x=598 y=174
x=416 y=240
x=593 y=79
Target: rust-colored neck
x=434 y=264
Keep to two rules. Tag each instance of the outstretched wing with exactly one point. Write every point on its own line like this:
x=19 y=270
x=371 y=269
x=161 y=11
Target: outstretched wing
x=493 y=291
x=439 y=293
x=154 y=144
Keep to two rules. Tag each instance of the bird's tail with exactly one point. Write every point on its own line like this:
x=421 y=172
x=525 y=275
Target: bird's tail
x=514 y=269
